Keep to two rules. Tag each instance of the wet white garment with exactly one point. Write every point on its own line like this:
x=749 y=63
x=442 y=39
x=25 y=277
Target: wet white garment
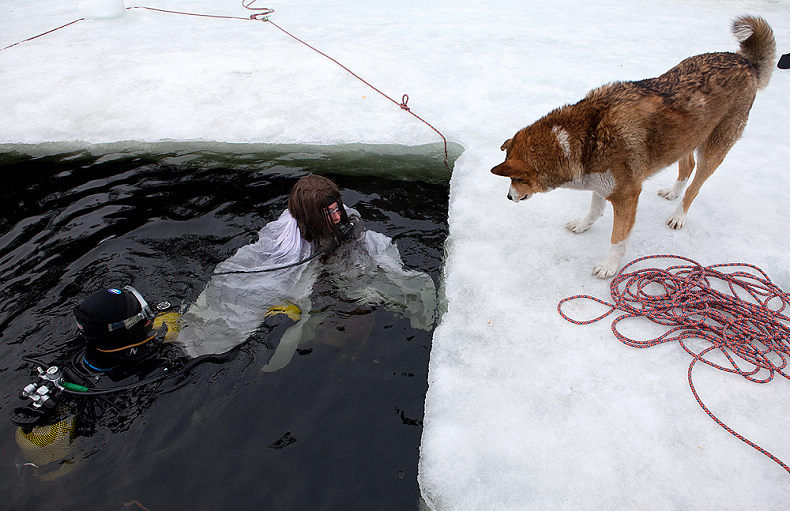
x=368 y=270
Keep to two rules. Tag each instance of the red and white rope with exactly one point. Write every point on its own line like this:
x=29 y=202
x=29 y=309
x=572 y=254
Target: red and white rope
x=735 y=307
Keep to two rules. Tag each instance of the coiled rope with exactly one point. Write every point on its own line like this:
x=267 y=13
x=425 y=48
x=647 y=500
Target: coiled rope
x=262 y=14
x=748 y=325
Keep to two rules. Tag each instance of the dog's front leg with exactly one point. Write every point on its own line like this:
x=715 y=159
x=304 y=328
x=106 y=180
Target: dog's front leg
x=624 y=205
x=597 y=206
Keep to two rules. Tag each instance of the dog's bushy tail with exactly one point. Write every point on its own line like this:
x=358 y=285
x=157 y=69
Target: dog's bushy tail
x=757 y=45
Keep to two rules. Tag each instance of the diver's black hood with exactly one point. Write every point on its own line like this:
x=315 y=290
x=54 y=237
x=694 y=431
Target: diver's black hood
x=102 y=308
x=112 y=306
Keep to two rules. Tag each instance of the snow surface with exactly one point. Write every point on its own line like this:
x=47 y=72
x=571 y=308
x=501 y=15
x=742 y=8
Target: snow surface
x=524 y=410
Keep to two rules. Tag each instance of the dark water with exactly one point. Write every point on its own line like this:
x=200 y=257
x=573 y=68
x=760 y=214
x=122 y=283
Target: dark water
x=337 y=428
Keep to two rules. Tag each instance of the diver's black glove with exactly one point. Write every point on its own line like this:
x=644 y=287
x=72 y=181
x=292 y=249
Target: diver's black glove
x=352 y=230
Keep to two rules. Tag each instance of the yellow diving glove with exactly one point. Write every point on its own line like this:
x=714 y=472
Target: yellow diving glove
x=292 y=311
x=172 y=320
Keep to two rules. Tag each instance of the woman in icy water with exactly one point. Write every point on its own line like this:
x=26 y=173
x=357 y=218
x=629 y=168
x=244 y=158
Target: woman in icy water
x=274 y=277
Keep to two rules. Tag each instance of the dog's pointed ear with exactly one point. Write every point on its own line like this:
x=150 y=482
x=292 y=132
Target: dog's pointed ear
x=506 y=144
x=503 y=169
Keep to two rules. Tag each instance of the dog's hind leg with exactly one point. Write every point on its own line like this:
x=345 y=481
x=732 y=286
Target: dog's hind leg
x=709 y=156
x=624 y=205
x=685 y=166
x=597 y=206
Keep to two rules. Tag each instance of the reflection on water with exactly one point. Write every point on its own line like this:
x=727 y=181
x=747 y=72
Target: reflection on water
x=337 y=428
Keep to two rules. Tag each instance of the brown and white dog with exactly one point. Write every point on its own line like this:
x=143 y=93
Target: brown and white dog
x=623 y=132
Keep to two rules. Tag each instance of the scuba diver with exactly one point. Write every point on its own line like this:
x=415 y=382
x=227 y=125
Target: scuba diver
x=118 y=329
x=270 y=281
x=123 y=345
x=119 y=337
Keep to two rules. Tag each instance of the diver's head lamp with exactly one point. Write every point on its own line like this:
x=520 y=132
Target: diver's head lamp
x=145 y=312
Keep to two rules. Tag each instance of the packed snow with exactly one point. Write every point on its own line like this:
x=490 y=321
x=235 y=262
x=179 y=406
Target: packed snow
x=524 y=410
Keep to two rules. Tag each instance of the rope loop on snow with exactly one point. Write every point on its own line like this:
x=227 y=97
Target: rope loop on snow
x=263 y=15
x=260 y=16
x=735 y=307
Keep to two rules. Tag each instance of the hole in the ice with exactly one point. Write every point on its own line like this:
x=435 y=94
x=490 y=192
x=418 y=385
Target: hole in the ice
x=161 y=216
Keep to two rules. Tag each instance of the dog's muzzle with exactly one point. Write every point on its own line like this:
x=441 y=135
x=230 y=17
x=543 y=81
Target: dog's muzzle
x=513 y=195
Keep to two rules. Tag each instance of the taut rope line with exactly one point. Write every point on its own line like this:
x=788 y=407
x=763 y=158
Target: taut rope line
x=756 y=330
x=42 y=34
x=263 y=15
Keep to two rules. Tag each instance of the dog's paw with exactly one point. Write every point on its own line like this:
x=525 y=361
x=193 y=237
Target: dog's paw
x=677 y=219
x=605 y=269
x=578 y=226
x=669 y=193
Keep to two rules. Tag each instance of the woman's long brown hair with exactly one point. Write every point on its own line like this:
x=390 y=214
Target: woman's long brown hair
x=308 y=203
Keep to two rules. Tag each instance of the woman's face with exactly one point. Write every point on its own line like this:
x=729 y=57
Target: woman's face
x=334 y=213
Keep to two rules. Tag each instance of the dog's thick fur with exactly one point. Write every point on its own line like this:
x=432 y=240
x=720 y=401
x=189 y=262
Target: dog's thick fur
x=623 y=132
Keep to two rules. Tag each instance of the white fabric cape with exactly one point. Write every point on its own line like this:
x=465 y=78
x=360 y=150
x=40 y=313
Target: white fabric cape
x=368 y=270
